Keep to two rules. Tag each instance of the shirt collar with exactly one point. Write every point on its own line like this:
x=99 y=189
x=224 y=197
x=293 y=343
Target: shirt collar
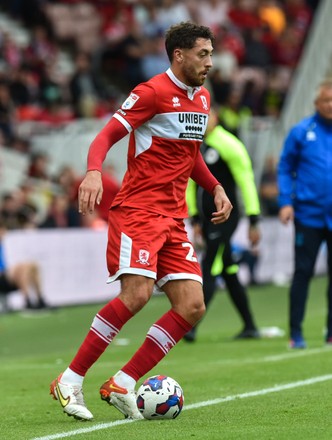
x=190 y=90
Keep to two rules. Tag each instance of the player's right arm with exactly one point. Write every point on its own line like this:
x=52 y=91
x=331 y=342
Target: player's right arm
x=91 y=189
x=137 y=109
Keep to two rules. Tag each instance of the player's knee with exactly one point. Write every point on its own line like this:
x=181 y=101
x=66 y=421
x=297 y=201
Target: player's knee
x=135 y=295
x=192 y=312
x=198 y=311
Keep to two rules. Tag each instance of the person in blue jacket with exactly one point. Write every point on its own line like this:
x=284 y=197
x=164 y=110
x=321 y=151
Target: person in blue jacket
x=305 y=197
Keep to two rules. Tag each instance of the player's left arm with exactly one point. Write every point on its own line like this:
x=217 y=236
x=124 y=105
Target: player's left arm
x=204 y=178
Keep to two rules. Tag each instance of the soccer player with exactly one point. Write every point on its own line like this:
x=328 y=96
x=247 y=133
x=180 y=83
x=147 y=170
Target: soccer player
x=147 y=241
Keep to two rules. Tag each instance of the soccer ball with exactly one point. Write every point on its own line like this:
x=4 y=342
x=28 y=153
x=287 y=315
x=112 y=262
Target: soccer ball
x=160 y=397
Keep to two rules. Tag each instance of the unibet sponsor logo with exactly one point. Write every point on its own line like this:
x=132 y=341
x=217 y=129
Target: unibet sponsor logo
x=195 y=125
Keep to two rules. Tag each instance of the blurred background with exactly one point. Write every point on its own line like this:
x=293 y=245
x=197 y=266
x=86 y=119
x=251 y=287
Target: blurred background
x=66 y=66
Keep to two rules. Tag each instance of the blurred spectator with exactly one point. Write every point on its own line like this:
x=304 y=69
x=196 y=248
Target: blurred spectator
x=133 y=51
x=85 y=89
x=287 y=49
x=24 y=277
x=245 y=14
x=212 y=13
x=170 y=12
x=272 y=13
x=225 y=59
x=38 y=167
x=9 y=211
x=145 y=15
x=16 y=211
x=232 y=114
x=7 y=113
x=68 y=181
x=41 y=50
x=61 y=214
x=232 y=39
x=117 y=20
x=299 y=13
x=274 y=94
x=20 y=144
x=23 y=86
x=10 y=52
x=155 y=60
x=49 y=87
x=29 y=12
x=257 y=53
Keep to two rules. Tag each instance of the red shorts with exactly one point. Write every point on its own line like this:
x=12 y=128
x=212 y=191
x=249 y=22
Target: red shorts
x=149 y=244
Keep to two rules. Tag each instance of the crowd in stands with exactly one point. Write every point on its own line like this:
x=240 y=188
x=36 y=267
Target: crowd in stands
x=111 y=47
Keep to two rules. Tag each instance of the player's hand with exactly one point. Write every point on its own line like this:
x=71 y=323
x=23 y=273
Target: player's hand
x=222 y=204
x=286 y=214
x=90 y=192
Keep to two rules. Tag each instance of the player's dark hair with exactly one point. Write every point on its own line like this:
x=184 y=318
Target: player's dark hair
x=184 y=36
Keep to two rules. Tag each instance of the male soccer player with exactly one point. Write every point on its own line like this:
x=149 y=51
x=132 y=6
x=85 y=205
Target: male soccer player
x=147 y=241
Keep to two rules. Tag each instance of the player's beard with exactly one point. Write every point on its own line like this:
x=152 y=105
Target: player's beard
x=193 y=79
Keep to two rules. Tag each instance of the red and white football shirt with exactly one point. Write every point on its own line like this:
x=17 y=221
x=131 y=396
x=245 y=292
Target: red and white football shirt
x=166 y=120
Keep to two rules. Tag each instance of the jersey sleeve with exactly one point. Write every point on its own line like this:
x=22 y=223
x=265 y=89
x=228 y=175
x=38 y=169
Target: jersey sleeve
x=202 y=175
x=105 y=139
x=138 y=108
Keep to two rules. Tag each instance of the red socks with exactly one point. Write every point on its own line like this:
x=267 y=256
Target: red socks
x=105 y=326
x=161 y=337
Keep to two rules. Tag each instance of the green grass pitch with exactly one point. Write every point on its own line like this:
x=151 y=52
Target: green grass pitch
x=250 y=390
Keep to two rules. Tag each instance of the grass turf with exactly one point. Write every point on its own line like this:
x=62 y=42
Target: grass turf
x=234 y=378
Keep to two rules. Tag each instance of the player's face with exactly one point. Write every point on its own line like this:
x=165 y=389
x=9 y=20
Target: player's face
x=324 y=103
x=196 y=62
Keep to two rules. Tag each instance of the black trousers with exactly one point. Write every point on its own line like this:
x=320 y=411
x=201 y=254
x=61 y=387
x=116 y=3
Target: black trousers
x=218 y=245
x=307 y=244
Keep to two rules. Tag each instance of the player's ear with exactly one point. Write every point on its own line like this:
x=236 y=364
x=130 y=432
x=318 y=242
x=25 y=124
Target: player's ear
x=178 y=55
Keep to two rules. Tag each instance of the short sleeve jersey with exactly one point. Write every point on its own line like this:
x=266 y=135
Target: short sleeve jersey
x=166 y=120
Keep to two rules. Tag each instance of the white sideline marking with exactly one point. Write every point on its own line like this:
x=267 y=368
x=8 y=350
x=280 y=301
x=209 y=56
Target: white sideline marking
x=272 y=358
x=275 y=389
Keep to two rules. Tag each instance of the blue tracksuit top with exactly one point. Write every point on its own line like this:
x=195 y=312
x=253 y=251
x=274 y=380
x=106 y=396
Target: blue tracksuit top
x=305 y=172
x=2 y=259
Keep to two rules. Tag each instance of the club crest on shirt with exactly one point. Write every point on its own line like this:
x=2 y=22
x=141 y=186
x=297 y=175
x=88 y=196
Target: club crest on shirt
x=311 y=136
x=204 y=102
x=130 y=101
x=143 y=257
